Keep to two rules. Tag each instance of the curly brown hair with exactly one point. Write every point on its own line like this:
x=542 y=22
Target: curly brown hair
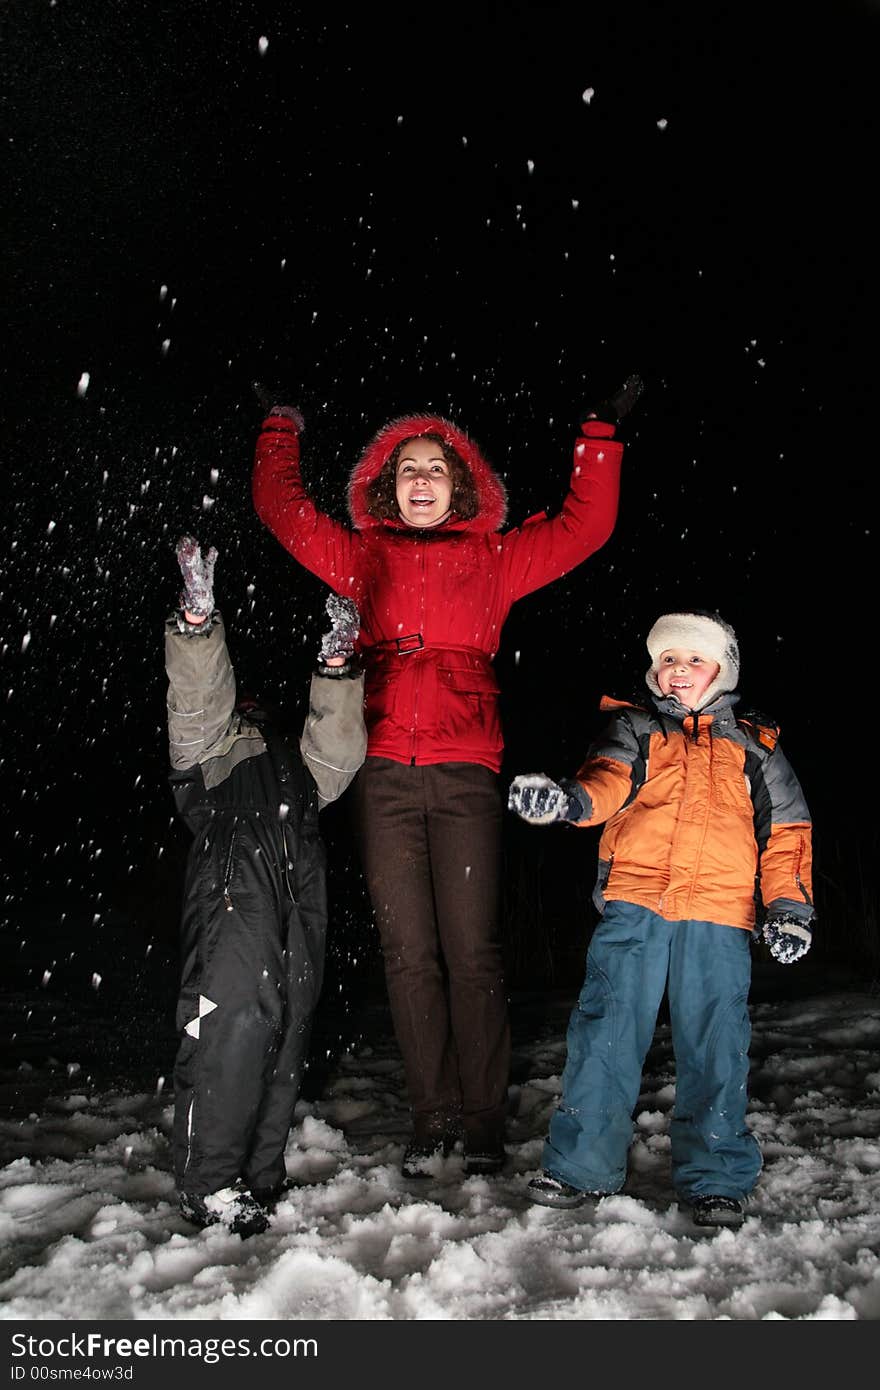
x=381 y=493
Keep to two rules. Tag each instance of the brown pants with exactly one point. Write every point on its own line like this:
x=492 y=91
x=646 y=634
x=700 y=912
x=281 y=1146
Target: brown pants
x=430 y=840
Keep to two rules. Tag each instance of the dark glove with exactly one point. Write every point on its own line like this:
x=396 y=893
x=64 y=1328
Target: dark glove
x=345 y=624
x=615 y=407
x=788 y=937
x=198 y=576
x=539 y=800
x=271 y=404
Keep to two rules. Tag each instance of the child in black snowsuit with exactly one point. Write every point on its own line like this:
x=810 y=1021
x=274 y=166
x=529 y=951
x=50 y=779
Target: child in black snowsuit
x=255 y=908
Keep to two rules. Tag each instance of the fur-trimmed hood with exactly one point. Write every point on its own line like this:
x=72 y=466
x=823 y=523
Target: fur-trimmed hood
x=490 y=489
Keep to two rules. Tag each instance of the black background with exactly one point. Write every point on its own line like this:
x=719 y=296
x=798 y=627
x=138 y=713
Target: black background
x=385 y=212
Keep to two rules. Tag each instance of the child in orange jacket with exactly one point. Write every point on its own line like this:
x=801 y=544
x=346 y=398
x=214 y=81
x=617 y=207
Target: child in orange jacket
x=699 y=804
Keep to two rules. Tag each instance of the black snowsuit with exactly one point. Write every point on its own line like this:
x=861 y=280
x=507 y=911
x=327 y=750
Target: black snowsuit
x=255 y=909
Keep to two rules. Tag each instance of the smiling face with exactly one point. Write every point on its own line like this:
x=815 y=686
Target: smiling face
x=423 y=487
x=686 y=674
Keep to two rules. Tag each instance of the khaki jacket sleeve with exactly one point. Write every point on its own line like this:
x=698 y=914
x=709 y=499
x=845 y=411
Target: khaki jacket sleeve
x=201 y=691
x=334 y=737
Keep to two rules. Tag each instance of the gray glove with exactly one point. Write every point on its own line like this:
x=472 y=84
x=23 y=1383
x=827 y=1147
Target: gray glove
x=345 y=625
x=788 y=937
x=539 y=800
x=198 y=577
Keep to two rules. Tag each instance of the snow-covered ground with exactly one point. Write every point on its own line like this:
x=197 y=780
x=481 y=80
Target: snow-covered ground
x=89 y=1228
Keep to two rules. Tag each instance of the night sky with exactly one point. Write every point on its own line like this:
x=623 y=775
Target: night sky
x=492 y=211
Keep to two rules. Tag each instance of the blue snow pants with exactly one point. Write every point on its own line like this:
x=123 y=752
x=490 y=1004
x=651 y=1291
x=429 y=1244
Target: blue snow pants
x=632 y=957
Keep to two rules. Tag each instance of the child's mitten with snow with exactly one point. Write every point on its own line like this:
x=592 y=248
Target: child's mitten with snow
x=198 y=577
x=539 y=800
x=345 y=625
x=788 y=937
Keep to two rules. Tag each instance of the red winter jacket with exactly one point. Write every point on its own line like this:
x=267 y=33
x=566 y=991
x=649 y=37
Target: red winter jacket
x=433 y=601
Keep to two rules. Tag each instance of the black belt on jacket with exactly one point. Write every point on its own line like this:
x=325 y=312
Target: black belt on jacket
x=415 y=642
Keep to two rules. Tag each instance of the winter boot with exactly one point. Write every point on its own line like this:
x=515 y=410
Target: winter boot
x=548 y=1191
x=420 y=1159
x=269 y=1197
x=485 y=1161
x=716 y=1211
x=235 y=1207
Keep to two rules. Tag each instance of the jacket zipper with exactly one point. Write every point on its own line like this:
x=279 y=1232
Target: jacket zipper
x=415 y=725
x=285 y=862
x=227 y=872
x=695 y=738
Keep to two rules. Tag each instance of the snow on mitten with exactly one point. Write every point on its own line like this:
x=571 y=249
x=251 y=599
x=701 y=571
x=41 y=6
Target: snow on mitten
x=198 y=577
x=345 y=624
x=788 y=937
x=539 y=800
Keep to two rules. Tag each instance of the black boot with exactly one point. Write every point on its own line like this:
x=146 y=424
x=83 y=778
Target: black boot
x=716 y=1211
x=420 y=1159
x=234 y=1207
x=485 y=1160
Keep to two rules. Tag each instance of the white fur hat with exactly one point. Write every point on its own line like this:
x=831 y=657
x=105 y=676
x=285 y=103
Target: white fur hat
x=706 y=633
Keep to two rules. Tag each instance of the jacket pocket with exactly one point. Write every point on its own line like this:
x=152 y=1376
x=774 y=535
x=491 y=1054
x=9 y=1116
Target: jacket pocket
x=468 y=697
x=468 y=680
x=602 y=877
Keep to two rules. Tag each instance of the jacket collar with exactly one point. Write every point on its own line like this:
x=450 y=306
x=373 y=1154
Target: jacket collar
x=720 y=709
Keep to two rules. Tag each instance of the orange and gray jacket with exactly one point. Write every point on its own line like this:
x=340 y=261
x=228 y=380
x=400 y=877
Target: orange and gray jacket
x=703 y=815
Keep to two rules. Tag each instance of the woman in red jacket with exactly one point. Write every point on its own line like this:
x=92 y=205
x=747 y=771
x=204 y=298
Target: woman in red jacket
x=434 y=578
